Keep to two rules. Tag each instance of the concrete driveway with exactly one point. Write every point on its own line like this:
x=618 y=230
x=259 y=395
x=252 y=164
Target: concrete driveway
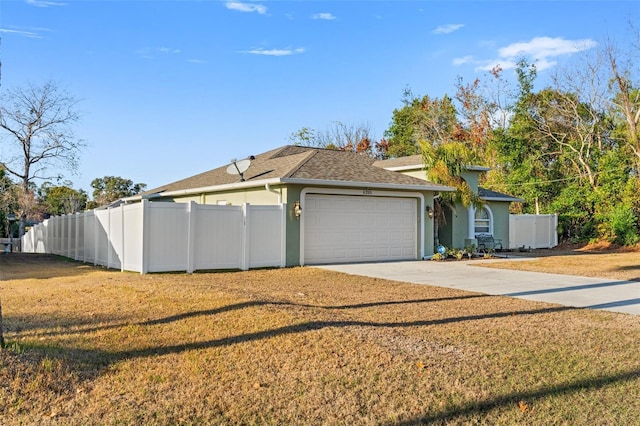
x=568 y=290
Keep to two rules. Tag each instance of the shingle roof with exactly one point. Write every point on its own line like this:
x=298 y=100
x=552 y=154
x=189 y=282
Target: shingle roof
x=488 y=194
x=410 y=160
x=304 y=163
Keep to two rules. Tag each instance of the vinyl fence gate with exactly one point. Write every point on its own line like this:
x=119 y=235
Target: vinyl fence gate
x=533 y=230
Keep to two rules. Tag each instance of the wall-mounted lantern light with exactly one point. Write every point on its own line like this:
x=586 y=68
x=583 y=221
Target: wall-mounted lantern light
x=297 y=210
x=430 y=212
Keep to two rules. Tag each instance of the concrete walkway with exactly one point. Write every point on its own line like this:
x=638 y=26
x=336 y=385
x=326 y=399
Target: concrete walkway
x=568 y=290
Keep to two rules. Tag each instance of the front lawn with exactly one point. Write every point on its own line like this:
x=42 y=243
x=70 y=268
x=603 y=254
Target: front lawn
x=300 y=346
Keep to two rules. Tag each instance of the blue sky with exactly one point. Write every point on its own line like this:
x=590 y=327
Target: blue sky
x=173 y=88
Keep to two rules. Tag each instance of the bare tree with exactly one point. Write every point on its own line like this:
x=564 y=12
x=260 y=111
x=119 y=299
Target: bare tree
x=339 y=136
x=37 y=135
x=571 y=116
x=626 y=93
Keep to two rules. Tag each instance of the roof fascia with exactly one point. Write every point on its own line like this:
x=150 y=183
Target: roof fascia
x=353 y=184
x=404 y=168
x=200 y=190
x=478 y=168
x=509 y=199
x=275 y=181
x=420 y=167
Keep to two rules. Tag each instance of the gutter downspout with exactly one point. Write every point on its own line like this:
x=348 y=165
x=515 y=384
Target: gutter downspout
x=267 y=186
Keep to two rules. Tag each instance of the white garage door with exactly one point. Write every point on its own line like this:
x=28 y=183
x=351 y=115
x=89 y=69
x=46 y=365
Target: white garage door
x=340 y=228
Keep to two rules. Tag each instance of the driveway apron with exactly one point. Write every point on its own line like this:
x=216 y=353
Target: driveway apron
x=567 y=290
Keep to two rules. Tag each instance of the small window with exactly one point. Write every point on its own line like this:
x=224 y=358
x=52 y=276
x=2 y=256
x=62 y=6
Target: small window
x=482 y=223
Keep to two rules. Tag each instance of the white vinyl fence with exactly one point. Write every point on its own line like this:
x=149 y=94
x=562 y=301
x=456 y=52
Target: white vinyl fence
x=533 y=230
x=163 y=237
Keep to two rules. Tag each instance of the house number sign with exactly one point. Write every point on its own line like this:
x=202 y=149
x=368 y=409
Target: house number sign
x=367 y=192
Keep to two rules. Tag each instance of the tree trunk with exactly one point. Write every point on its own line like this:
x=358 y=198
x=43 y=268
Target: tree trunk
x=2 y=343
x=22 y=226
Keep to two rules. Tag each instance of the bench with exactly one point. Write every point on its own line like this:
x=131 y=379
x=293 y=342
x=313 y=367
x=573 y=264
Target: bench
x=486 y=242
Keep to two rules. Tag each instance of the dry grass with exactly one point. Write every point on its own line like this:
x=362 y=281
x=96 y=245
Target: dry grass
x=600 y=261
x=300 y=346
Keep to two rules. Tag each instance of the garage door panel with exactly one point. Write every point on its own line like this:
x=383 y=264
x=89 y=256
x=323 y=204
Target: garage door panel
x=340 y=228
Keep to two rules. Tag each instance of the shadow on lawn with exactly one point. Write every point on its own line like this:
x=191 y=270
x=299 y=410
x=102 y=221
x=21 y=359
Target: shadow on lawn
x=85 y=357
x=90 y=364
x=75 y=326
x=630 y=268
x=477 y=408
x=306 y=327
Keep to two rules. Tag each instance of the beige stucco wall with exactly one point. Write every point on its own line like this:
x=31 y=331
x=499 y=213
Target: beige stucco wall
x=417 y=173
x=257 y=195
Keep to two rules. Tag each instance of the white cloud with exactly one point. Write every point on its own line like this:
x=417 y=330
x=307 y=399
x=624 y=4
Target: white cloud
x=43 y=3
x=325 y=16
x=196 y=61
x=29 y=34
x=150 y=53
x=447 y=29
x=246 y=7
x=275 y=52
x=463 y=60
x=168 y=50
x=543 y=51
x=545 y=47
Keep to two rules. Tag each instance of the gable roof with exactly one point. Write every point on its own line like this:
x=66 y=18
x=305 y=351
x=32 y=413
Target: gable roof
x=414 y=162
x=401 y=163
x=300 y=165
x=489 y=195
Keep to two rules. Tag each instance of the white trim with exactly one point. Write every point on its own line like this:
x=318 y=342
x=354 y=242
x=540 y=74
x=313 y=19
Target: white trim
x=351 y=184
x=478 y=168
x=416 y=167
x=471 y=219
x=473 y=224
x=421 y=167
x=214 y=188
x=508 y=199
x=334 y=183
x=355 y=192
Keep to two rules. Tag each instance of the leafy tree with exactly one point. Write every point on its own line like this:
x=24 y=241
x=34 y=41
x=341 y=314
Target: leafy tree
x=420 y=119
x=303 y=137
x=525 y=166
x=111 y=188
x=9 y=195
x=37 y=122
x=59 y=200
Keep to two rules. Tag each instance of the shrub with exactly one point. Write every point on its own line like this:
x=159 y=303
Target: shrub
x=624 y=224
